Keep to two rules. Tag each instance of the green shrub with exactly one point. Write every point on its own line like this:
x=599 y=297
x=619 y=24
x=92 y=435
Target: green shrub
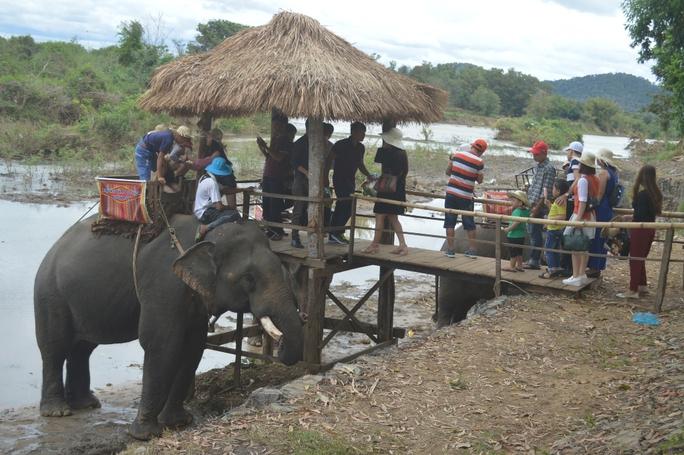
x=526 y=131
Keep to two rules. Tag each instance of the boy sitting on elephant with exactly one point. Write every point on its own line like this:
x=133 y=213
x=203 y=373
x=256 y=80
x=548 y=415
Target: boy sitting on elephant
x=209 y=209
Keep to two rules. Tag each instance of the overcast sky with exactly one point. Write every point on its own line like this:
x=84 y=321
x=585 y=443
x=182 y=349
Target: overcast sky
x=550 y=39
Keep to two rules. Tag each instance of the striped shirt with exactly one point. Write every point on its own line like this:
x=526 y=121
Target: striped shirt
x=465 y=169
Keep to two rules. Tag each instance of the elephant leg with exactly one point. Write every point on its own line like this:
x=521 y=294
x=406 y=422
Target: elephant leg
x=162 y=341
x=174 y=414
x=78 y=393
x=52 y=402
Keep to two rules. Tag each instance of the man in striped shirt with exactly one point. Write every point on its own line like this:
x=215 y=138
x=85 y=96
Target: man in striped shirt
x=465 y=168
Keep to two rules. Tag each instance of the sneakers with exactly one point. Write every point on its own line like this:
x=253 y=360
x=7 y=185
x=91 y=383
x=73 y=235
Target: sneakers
x=627 y=295
x=296 y=243
x=470 y=254
x=576 y=281
x=338 y=239
x=450 y=253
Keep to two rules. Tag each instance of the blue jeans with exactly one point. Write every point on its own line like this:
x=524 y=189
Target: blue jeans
x=553 y=241
x=536 y=239
x=145 y=162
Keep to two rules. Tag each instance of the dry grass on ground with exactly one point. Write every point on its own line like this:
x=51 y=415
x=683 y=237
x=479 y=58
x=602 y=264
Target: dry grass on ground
x=546 y=374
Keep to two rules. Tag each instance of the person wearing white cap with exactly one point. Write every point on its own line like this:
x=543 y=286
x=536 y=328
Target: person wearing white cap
x=571 y=167
x=586 y=190
x=394 y=161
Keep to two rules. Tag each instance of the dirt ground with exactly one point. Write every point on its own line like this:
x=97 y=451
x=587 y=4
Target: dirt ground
x=544 y=374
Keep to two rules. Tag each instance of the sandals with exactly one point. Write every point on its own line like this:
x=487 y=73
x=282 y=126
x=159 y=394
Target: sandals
x=401 y=251
x=371 y=249
x=547 y=275
x=508 y=269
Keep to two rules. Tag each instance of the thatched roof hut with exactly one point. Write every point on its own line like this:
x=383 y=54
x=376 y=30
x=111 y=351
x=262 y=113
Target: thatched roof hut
x=297 y=66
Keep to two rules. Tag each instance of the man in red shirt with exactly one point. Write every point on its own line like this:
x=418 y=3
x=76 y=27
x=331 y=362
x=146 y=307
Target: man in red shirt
x=464 y=170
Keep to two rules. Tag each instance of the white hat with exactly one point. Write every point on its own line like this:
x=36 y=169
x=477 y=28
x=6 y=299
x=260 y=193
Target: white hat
x=393 y=137
x=607 y=157
x=588 y=159
x=184 y=131
x=575 y=147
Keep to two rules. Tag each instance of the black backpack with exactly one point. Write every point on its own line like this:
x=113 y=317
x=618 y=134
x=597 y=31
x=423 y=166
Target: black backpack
x=615 y=196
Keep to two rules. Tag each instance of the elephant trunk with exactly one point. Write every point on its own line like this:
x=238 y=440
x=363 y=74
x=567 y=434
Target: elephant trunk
x=279 y=307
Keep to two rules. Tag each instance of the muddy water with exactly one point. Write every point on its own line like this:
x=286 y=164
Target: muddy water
x=27 y=231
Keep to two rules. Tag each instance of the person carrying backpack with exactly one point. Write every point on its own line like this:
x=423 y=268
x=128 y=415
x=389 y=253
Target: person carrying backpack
x=609 y=184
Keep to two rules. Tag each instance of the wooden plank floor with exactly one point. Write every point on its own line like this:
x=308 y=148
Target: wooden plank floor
x=428 y=261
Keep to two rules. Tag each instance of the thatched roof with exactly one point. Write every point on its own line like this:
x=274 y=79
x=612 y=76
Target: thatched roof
x=296 y=65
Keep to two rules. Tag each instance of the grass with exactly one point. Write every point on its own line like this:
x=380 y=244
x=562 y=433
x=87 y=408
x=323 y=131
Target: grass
x=673 y=444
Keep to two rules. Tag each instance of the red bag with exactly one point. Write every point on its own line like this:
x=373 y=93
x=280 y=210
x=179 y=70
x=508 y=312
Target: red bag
x=387 y=183
x=499 y=209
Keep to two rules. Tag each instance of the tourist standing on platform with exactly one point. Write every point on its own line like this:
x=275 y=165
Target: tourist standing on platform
x=150 y=151
x=586 y=190
x=394 y=162
x=543 y=177
x=647 y=202
x=515 y=232
x=276 y=171
x=464 y=170
x=571 y=168
x=609 y=179
x=554 y=234
x=347 y=155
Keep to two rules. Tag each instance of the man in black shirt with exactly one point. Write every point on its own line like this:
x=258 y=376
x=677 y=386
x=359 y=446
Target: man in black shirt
x=348 y=158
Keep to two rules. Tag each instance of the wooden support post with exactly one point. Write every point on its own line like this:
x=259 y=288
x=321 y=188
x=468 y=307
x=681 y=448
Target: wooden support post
x=316 y=171
x=352 y=231
x=386 y=292
x=238 y=351
x=315 y=309
x=245 y=205
x=204 y=125
x=435 y=316
x=664 y=267
x=266 y=344
x=497 y=255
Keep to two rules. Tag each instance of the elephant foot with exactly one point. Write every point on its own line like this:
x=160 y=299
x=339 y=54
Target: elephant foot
x=54 y=407
x=145 y=431
x=88 y=401
x=176 y=419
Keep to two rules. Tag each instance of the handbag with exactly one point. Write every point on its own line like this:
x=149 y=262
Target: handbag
x=576 y=240
x=387 y=183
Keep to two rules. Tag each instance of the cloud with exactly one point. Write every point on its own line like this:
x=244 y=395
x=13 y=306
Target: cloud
x=549 y=39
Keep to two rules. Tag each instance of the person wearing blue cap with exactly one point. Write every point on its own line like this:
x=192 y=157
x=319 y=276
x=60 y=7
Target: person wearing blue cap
x=209 y=209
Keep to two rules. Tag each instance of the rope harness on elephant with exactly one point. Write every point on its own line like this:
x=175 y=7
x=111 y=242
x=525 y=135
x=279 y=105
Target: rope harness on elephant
x=175 y=243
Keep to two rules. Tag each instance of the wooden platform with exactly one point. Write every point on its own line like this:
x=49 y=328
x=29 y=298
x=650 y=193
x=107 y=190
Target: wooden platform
x=426 y=261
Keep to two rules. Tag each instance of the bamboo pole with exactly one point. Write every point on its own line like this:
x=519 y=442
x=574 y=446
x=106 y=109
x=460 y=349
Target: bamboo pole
x=316 y=165
x=664 y=267
x=494 y=216
x=497 y=255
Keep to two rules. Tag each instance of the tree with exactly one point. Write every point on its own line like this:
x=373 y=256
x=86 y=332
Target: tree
x=213 y=33
x=657 y=29
x=485 y=101
x=130 y=41
x=602 y=112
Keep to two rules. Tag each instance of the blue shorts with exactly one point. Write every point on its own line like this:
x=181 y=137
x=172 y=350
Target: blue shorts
x=458 y=203
x=145 y=162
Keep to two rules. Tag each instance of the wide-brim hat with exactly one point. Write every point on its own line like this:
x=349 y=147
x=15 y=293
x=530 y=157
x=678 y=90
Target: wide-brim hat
x=519 y=195
x=588 y=159
x=219 y=166
x=607 y=157
x=393 y=137
x=184 y=131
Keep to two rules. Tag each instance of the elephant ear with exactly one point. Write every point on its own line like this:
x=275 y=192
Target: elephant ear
x=197 y=269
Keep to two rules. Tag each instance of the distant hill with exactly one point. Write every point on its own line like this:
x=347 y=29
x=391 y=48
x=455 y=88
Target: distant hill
x=632 y=93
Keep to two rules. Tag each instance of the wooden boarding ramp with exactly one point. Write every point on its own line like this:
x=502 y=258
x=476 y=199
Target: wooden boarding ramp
x=426 y=261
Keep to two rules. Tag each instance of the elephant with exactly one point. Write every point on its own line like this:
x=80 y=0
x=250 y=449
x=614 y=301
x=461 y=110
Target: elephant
x=85 y=295
x=456 y=296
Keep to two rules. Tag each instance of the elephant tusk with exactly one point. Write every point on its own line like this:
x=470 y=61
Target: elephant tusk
x=270 y=328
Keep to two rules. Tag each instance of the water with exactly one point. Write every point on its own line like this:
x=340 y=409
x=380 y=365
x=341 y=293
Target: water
x=27 y=231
